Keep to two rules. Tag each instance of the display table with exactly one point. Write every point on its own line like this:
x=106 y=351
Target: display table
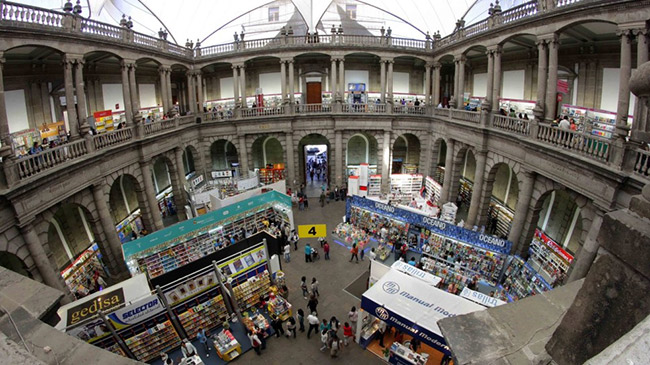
x=256 y=320
x=193 y=360
x=368 y=333
x=400 y=354
x=226 y=345
x=279 y=307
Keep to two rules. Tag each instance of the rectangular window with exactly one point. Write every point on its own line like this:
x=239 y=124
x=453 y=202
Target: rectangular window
x=351 y=10
x=274 y=14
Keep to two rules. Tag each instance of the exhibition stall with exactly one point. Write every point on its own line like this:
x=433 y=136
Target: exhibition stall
x=166 y=250
x=80 y=275
x=411 y=304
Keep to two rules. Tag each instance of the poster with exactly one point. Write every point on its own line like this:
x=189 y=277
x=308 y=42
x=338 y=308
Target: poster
x=103 y=121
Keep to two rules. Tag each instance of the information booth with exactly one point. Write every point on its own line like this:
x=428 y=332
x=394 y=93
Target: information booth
x=406 y=299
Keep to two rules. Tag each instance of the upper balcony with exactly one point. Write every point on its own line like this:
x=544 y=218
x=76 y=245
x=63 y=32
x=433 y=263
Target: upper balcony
x=14 y=16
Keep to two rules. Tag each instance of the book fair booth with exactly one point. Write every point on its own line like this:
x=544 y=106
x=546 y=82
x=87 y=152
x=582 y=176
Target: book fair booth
x=403 y=308
x=188 y=277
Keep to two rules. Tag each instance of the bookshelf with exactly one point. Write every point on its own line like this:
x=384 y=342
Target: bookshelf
x=374 y=185
x=249 y=292
x=433 y=189
x=146 y=341
x=207 y=311
x=404 y=186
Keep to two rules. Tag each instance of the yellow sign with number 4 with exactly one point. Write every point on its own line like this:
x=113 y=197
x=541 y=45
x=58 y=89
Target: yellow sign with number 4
x=312 y=230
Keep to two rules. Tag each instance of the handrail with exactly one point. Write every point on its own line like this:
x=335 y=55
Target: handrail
x=145 y=40
x=519 y=12
x=261 y=112
x=159 y=126
x=31 y=165
x=96 y=28
x=405 y=109
x=516 y=125
x=112 y=138
x=313 y=108
x=21 y=13
x=591 y=146
x=466 y=115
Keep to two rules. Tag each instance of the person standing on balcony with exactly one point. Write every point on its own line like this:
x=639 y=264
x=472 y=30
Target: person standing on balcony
x=564 y=124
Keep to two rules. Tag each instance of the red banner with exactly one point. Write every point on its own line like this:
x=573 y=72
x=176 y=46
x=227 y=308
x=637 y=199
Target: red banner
x=554 y=247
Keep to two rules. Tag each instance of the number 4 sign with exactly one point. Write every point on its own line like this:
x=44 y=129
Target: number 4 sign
x=312 y=230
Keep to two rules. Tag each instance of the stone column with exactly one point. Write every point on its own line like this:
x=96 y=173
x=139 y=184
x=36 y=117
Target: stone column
x=242 y=85
x=477 y=189
x=449 y=167
x=427 y=83
x=542 y=71
x=338 y=154
x=68 y=64
x=191 y=92
x=426 y=155
x=333 y=84
x=180 y=197
x=292 y=99
x=640 y=110
x=436 y=84
x=461 y=82
x=108 y=226
x=385 y=163
x=5 y=140
x=243 y=154
x=455 y=93
x=551 y=86
x=521 y=210
x=342 y=86
x=382 y=80
x=496 y=83
x=163 y=89
x=150 y=192
x=50 y=276
x=92 y=96
x=624 y=83
x=291 y=167
x=133 y=84
x=283 y=80
x=389 y=80
x=126 y=93
x=45 y=100
x=199 y=81
x=589 y=249
x=490 y=80
x=81 y=92
x=170 y=98
x=235 y=86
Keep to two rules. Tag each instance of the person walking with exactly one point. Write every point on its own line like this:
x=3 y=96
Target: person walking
x=323 y=339
x=308 y=253
x=255 y=342
x=321 y=240
x=353 y=315
x=312 y=319
x=262 y=336
x=187 y=349
x=287 y=252
x=294 y=239
x=301 y=319
x=334 y=324
x=326 y=250
x=347 y=333
x=362 y=245
x=291 y=327
x=355 y=252
x=203 y=339
x=335 y=345
x=314 y=287
x=276 y=324
x=303 y=286
x=321 y=199
x=312 y=304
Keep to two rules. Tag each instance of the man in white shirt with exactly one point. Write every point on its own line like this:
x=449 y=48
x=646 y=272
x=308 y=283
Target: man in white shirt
x=188 y=349
x=287 y=252
x=372 y=254
x=564 y=124
x=313 y=323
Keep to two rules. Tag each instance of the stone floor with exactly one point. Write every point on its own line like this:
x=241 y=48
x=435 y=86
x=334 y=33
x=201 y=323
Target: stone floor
x=333 y=275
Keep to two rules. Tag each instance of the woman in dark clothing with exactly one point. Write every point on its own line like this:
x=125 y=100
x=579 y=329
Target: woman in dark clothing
x=312 y=304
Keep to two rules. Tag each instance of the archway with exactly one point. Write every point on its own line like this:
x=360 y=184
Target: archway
x=406 y=154
x=560 y=219
x=466 y=184
x=188 y=160
x=223 y=155
x=267 y=150
x=504 y=194
x=161 y=174
x=440 y=151
x=14 y=263
x=314 y=153
x=74 y=248
x=124 y=204
x=361 y=148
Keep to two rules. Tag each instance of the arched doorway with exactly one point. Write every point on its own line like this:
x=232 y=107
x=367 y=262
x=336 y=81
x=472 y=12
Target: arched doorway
x=406 y=154
x=161 y=174
x=560 y=219
x=466 y=184
x=75 y=251
x=124 y=203
x=14 y=263
x=361 y=148
x=503 y=200
x=313 y=156
x=268 y=159
x=188 y=160
x=440 y=150
x=223 y=155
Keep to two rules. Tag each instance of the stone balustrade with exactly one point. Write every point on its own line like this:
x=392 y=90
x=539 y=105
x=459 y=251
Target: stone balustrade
x=576 y=142
x=25 y=16
x=112 y=138
x=32 y=165
x=466 y=115
x=642 y=163
x=509 y=124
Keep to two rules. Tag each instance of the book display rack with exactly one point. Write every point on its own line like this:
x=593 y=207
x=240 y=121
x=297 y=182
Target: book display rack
x=149 y=339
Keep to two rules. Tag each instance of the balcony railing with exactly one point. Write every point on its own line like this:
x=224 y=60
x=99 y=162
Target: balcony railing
x=591 y=146
x=31 y=15
x=313 y=108
x=159 y=126
x=413 y=110
x=261 y=112
x=466 y=115
x=519 y=12
x=515 y=125
x=99 y=29
x=112 y=138
x=642 y=163
x=32 y=165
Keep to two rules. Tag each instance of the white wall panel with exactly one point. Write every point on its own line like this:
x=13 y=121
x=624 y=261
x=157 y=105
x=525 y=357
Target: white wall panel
x=356 y=77
x=147 y=95
x=480 y=85
x=609 y=94
x=513 y=84
x=401 y=82
x=270 y=83
x=225 y=85
x=16 y=110
x=112 y=94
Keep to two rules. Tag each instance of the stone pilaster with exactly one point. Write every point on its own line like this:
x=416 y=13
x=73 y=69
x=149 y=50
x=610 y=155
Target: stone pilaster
x=291 y=161
x=191 y=92
x=553 y=45
x=242 y=85
x=199 y=87
x=243 y=154
x=108 y=227
x=477 y=189
x=389 y=82
x=385 y=161
x=292 y=97
x=427 y=83
x=461 y=82
x=542 y=73
x=382 y=80
x=235 y=86
x=624 y=83
x=338 y=163
x=487 y=103
x=68 y=65
x=150 y=192
x=283 y=79
x=449 y=169
x=178 y=184
x=496 y=80
x=80 y=88
x=163 y=88
x=133 y=85
x=436 y=84
x=589 y=249
x=521 y=210
x=342 y=86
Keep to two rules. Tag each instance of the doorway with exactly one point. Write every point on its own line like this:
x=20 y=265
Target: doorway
x=314 y=93
x=316 y=159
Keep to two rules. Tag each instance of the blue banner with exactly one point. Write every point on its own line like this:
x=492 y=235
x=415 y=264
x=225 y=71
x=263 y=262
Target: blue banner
x=405 y=325
x=435 y=225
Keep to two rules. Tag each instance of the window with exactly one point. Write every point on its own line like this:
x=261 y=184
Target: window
x=274 y=14
x=351 y=11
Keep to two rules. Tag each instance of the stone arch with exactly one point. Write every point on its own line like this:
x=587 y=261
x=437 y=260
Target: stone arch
x=492 y=163
x=510 y=37
x=15 y=245
x=124 y=197
x=190 y=156
x=14 y=263
x=36 y=43
x=267 y=149
x=439 y=159
x=501 y=194
x=406 y=147
x=365 y=153
x=223 y=152
x=306 y=137
x=71 y=222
